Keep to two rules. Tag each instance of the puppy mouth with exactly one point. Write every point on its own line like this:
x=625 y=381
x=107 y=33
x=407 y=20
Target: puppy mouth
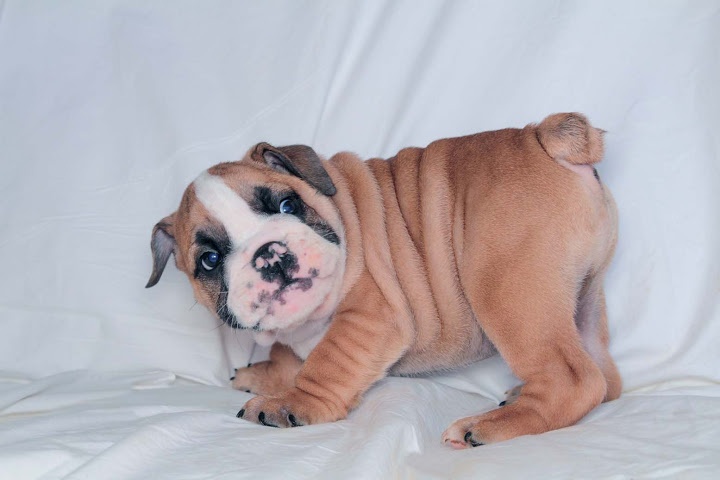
x=271 y=290
x=265 y=300
x=277 y=265
x=231 y=321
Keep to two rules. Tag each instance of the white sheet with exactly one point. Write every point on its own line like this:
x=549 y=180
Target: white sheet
x=108 y=110
x=124 y=427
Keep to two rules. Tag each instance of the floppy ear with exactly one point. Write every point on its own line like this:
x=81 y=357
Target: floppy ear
x=298 y=160
x=162 y=245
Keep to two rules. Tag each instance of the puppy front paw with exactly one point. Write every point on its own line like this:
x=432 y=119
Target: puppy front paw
x=263 y=378
x=251 y=379
x=292 y=408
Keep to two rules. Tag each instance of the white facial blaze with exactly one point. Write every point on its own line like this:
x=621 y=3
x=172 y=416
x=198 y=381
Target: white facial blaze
x=228 y=207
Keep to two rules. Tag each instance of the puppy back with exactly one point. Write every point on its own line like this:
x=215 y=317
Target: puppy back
x=570 y=137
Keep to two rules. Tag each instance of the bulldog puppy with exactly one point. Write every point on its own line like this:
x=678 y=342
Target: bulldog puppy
x=438 y=257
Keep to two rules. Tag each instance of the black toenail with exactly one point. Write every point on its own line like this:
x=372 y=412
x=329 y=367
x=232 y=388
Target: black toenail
x=250 y=364
x=502 y=404
x=291 y=419
x=261 y=419
x=248 y=391
x=469 y=439
x=232 y=378
x=240 y=413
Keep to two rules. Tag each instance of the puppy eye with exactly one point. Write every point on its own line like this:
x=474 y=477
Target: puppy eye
x=210 y=260
x=289 y=206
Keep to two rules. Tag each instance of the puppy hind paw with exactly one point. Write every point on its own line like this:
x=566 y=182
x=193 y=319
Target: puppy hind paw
x=470 y=440
x=456 y=445
x=460 y=436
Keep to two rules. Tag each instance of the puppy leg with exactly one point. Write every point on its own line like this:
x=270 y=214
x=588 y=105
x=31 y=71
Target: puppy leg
x=529 y=316
x=271 y=377
x=591 y=321
x=361 y=344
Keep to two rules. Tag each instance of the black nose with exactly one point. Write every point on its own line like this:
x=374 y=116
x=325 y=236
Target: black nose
x=275 y=262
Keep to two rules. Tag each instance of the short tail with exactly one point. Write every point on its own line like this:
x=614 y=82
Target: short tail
x=570 y=137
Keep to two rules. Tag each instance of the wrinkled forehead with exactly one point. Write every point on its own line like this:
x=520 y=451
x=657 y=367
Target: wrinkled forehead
x=227 y=199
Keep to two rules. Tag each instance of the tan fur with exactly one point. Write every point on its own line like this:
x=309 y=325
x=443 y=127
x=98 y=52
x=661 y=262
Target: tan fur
x=271 y=377
x=494 y=242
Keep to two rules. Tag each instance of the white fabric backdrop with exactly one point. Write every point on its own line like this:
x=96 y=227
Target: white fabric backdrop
x=109 y=109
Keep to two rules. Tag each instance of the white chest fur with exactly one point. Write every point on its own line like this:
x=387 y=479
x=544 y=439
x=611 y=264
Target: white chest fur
x=301 y=339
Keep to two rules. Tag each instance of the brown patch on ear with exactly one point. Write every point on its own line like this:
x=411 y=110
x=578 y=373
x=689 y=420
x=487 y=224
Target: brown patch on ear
x=569 y=136
x=163 y=245
x=298 y=160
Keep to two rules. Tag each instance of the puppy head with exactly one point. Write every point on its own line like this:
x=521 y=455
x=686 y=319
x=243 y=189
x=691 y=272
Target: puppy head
x=260 y=239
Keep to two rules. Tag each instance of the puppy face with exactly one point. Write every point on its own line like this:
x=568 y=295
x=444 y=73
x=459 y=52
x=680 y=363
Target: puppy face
x=260 y=240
